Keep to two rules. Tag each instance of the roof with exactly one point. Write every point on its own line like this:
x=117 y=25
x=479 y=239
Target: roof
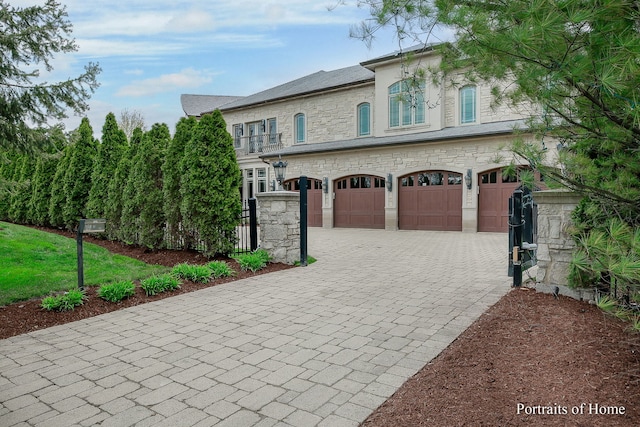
x=195 y=105
x=457 y=132
x=316 y=82
x=418 y=49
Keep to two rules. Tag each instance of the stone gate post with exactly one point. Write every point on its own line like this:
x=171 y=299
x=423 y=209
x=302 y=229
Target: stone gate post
x=279 y=219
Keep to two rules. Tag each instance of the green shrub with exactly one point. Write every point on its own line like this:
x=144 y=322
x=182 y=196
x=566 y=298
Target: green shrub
x=115 y=292
x=263 y=254
x=158 y=284
x=65 y=302
x=220 y=269
x=194 y=273
x=253 y=261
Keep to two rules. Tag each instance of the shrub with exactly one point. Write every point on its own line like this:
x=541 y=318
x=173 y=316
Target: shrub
x=65 y=302
x=253 y=261
x=158 y=284
x=220 y=269
x=115 y=292
x=195 y=273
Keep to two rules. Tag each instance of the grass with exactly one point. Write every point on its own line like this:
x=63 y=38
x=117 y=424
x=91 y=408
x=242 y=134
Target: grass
x=35 y=263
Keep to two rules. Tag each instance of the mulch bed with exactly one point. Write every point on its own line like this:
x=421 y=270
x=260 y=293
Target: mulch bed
x=529 y=359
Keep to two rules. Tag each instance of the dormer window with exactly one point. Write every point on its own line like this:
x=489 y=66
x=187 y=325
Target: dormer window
x=468 y=104
x=299 y=128
x=364 y=119
x=406 y=103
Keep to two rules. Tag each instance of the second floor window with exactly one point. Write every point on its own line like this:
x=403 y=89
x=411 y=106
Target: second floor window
x=237 y=135
x=364 y=119
x=406 y=103
x=272 y=130
x=468 y=104
x=299 y=128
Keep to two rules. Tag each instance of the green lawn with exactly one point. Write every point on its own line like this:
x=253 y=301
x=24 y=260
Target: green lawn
x=34 y=263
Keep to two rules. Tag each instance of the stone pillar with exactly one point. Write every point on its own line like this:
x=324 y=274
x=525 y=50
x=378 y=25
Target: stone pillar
x=279 y=219
x=555 y=245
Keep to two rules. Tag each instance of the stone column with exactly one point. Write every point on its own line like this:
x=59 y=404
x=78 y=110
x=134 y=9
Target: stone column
x=555 y=245
x=279 y=219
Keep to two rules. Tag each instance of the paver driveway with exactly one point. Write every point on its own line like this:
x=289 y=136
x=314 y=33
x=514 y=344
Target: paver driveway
x=322 y=345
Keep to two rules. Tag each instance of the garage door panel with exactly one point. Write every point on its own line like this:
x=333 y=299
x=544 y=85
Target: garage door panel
x=314 y=199
x=493 y=201
x=430 y=200
x=359 y=202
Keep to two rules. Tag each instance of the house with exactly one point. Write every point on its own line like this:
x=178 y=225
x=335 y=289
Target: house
x=380 y=150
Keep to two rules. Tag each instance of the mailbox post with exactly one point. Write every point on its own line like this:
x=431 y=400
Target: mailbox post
x=86 y=226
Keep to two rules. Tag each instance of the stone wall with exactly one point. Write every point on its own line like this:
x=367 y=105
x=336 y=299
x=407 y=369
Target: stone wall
x=279 y=219
x=555 y=245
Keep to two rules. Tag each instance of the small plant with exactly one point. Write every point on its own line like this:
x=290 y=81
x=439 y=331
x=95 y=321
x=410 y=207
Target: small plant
x=253 y=261
x=606 y=304
x=65 y=302
x=158 y=284
x=220 y=269
x=310 y=260
x=115 y=292
x=263 y=254
x=194 y=273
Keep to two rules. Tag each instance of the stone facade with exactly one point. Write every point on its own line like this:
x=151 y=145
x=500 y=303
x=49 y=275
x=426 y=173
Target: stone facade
x=555 y=245
x=279 y=219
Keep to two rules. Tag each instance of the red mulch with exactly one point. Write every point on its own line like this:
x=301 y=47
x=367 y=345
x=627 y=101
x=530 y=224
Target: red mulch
x=546 y=355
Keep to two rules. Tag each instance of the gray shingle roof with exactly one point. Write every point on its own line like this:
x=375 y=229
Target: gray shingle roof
x=319 y=81
x=195 y=105
x=457 y=132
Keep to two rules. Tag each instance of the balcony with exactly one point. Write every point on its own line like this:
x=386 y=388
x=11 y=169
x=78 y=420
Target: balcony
x=257 y=144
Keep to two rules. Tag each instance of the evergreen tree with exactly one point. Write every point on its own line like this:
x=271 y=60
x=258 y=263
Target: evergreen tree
x=58 y=196
x=110 y=151
x=42 y=188
x=19 y=211
x=147 y=200
x=31 y=36
x=10 y=164
x=121 y=222
x=171 y=172
x=77 y=180
x=209 y=187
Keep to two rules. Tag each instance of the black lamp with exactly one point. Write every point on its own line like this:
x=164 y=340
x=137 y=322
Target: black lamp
x=279 y=168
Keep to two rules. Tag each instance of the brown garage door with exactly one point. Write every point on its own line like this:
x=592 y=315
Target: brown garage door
x=493 y=200
x=430 y=200
x=314 y=199
x=359 y=202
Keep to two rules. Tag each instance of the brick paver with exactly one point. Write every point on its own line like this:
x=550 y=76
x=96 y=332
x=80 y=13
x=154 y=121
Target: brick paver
x=322 y=345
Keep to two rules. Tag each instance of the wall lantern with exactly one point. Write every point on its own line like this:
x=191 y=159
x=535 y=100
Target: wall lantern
x=325 y=185
x=279 y=168
x=468 y=179
x=389 y=182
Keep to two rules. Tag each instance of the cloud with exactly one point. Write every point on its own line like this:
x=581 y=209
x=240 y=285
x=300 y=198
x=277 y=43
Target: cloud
x=187 y=78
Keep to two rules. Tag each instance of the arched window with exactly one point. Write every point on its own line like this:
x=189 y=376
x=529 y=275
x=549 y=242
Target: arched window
x=299 y=128
x=364 y=119
x=467 y=104
x=407 y=103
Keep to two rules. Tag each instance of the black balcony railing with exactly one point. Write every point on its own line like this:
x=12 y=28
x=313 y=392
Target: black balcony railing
x=264 y=143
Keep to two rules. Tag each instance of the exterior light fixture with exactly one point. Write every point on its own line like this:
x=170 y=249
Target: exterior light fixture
x=325 y=185
x=389 y=182
x=279 y=168
x=468 y=179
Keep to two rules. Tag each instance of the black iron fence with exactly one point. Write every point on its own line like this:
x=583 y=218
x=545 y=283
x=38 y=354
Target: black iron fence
x=247 y=231
x=245 y=237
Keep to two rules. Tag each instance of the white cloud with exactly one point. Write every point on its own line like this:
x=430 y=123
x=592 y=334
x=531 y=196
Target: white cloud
x=187 y=78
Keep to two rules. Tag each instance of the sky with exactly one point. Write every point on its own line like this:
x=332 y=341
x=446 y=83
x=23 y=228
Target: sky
x=152 y=51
